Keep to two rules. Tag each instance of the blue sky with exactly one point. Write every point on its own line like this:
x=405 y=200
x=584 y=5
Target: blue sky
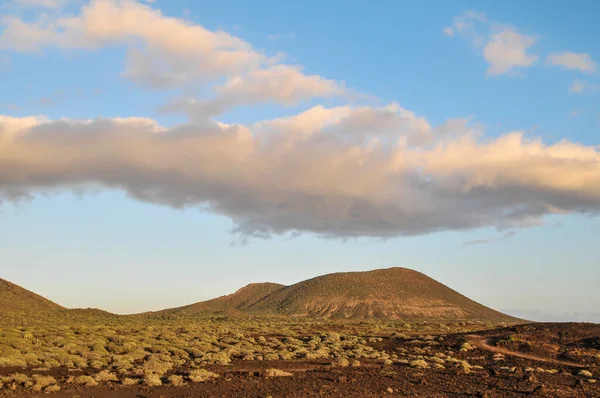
x=405 y=160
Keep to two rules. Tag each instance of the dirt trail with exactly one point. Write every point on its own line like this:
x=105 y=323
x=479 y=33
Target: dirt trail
x=481 y=342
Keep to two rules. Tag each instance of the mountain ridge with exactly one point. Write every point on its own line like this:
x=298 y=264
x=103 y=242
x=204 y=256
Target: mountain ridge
x=388 y=293
x=236 y=302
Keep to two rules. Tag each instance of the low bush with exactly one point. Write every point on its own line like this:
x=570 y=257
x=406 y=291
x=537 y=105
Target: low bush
x=202 y=375
x=176 y=380
x=152 y=380
x=41 y=381
x=86 y=381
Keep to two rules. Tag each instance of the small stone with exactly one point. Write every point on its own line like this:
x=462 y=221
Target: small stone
x=540 y=390
x=390 y=390
x=585 y=373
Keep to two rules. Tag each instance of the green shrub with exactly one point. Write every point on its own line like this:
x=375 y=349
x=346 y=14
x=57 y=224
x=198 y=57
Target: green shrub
x=201 y=375
x=105 y=375
x=40 y=382
x=52 y=388
x=129 y=382
x=156 y=366
x=271 y=357
x=418 y=363
x=152 y=380
x=176 y=380
x=86 y=381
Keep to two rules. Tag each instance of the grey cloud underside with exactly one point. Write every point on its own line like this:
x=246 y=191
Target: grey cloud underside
x=314 y=186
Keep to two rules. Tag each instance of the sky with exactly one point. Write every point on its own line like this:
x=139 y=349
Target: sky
x=159 y=153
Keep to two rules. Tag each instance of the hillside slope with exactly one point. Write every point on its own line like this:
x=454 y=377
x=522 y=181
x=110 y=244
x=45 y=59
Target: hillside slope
x=241 y=300
x=393 y=293
x=15 y=300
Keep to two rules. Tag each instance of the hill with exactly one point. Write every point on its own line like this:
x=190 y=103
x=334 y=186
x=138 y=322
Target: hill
x=15 y=300
x=241 y=300
x=393 y=293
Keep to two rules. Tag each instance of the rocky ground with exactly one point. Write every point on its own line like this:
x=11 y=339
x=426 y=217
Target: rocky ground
x=546 y=360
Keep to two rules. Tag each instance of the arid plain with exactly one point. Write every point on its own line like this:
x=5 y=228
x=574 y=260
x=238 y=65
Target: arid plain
x=389 y=332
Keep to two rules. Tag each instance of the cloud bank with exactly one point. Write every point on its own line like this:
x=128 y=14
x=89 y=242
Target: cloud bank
x=338 y=171
x=334 y=172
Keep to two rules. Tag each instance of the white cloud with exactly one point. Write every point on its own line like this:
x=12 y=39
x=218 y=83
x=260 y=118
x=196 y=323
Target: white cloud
x=26 y=37
x=577 y=87
x=572 y=60
x=165 y=52
x=282 y=84
x=580 y=86
x=324 y=171
x=507 y=50
x=10 y=126
x=340 y=171
x=504 y=48
x=468 y=27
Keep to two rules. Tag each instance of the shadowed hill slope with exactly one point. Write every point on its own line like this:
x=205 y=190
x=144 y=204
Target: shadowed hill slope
x=241 y=300
x=393 y=293
x=15 y=300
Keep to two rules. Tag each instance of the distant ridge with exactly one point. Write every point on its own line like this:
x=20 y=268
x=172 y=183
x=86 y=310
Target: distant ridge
x=17 y=303
x=241 y=300
x=15 y=300
x=392 y=293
